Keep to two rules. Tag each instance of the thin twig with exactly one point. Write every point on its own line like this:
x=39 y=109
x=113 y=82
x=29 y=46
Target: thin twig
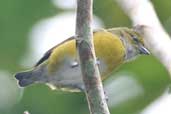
x=91 y=77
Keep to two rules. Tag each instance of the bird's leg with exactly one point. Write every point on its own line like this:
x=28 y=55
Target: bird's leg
x=97 y=61
x=106 y=97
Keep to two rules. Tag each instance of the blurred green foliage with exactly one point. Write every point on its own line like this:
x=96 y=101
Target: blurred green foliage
x=17 y=18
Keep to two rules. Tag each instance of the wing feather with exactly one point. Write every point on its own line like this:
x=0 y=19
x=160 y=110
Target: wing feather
x=49 y=52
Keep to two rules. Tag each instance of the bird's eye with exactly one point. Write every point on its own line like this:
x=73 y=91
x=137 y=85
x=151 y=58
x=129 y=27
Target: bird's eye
x=74 y=64
x=135 y=39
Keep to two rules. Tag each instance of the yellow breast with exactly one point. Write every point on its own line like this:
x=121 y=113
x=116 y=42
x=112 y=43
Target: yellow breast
x=108 y=48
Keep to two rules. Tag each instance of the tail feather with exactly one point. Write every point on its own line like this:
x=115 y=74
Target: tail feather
x=24 y=78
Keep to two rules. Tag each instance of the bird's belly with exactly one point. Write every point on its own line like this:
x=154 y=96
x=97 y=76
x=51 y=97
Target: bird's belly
x=70 y=79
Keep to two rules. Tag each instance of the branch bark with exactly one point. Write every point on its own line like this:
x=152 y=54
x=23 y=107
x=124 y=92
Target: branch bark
x=142 y=13
x=84 y=41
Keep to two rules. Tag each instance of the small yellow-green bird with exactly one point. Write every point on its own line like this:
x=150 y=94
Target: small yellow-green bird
x=59 y=67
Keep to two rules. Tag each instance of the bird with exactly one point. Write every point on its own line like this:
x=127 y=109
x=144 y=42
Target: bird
x=59 y=68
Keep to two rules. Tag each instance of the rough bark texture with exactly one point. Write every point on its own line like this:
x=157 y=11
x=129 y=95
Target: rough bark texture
x=91 y=77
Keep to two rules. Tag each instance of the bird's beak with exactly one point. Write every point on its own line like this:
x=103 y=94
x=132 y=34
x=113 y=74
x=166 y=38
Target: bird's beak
x=143 y=50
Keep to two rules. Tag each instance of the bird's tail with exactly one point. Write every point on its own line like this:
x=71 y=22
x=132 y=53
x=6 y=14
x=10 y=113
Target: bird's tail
x=24 y=78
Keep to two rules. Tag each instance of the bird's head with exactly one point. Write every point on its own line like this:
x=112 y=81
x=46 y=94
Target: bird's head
x=134 y=43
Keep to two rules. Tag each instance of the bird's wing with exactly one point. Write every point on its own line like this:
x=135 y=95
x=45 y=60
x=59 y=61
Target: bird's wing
x=48 y=53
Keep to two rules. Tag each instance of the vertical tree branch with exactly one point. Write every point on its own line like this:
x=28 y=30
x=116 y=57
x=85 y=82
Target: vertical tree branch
x=91 y=77
x=156 y=39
